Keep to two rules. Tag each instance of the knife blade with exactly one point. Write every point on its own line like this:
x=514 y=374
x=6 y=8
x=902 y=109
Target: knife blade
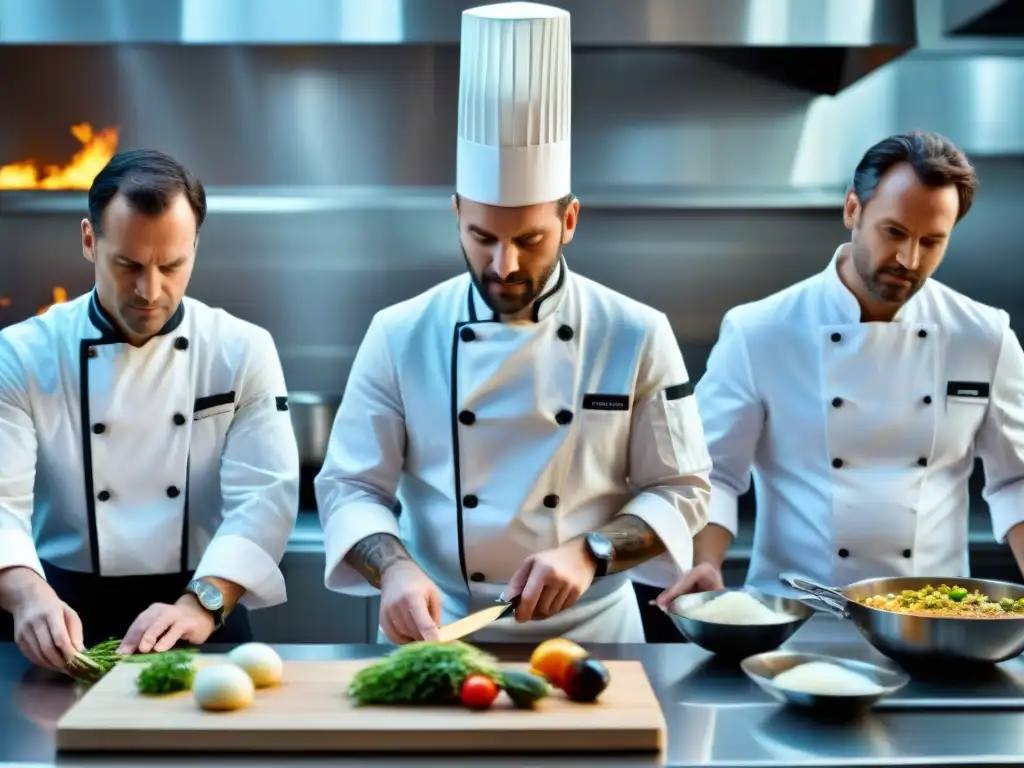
x=477 y=621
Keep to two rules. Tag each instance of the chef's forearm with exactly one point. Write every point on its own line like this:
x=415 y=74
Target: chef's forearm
x=711 y=545
x=375 y=554
x=633 y=540
x=18 y=584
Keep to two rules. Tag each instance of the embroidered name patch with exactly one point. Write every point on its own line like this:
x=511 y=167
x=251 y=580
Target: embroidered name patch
x=975 y=389
x=679 y=391
x=596 y=402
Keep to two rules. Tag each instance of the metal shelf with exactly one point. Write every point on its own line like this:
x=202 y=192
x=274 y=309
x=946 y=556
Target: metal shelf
x=292 y=200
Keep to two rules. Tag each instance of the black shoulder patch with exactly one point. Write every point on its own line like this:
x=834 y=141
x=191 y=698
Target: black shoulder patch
x=679 y=391
x=282 y=403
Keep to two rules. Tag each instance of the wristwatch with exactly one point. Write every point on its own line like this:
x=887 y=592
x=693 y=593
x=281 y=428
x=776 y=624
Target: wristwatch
x=210 y=598
x=602 y=551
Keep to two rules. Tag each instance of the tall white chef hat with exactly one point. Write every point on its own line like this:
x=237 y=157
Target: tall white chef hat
x=515 y=93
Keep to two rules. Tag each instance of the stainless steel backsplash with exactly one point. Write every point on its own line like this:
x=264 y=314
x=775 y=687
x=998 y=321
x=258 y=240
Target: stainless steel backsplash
x=330 y=169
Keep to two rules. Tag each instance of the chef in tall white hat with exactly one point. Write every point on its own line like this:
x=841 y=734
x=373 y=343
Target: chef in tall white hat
x=538 y=429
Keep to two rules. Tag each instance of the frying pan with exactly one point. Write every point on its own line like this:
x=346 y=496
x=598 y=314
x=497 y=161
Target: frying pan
x=924 y=642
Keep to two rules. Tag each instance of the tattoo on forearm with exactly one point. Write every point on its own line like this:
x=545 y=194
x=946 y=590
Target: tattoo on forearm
x=374 y=555
x=635 y=542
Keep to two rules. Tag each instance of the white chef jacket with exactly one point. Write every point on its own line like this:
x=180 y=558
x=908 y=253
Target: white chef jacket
x=125 y=461
x=862 y=436
x=502 y=440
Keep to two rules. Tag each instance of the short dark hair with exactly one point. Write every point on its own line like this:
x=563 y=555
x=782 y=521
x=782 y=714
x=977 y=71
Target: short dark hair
x=149 y=180
x=936 y=161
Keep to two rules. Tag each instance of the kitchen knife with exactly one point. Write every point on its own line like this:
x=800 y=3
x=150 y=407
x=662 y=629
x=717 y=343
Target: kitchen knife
x=477 y=621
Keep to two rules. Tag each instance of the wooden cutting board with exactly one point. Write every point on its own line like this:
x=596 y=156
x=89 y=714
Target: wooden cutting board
x=310 y=712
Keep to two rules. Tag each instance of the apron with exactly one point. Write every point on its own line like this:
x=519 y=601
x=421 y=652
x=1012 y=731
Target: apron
x=608 y=612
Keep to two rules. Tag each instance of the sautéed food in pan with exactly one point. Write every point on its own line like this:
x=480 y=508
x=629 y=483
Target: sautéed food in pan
x=953 y=602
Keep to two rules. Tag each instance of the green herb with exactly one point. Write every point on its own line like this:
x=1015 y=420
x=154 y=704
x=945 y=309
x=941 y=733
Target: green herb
x=167 y=673
x=104 y=657
x=421 y=673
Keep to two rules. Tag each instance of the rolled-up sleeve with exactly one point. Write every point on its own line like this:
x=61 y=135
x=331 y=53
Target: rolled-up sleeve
x=1000 y=441
x=732 y=415
x=355 y=489
x=259 y=479
x=669 y=463
x=17 y=464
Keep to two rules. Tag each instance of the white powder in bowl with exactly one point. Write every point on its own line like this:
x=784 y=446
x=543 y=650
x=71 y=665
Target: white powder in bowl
x=825 y=679
x=737 y=608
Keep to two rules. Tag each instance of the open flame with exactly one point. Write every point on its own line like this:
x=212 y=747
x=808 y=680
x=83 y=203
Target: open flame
x=97 y=149
x=60 y=295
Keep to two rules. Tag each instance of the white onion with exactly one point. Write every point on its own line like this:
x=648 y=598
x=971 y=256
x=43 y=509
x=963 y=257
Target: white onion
x=222 y=687
x=260 y=662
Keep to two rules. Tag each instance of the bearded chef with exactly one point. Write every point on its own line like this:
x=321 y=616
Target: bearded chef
x=149 y=481
x=861 y=396
x=538 y=429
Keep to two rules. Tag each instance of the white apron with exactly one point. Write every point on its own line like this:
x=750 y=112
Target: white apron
x=503 y=440
x=862 y=436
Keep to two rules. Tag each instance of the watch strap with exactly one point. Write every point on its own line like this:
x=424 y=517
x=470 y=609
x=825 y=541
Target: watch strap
x=602 y=559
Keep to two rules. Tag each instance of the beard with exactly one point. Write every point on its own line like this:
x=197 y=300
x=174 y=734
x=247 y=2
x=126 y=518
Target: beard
x=889 y=284
x=513 y=294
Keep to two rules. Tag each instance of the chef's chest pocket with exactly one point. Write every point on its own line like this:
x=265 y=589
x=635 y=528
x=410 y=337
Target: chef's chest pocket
x=962 y=412
x=211 y=417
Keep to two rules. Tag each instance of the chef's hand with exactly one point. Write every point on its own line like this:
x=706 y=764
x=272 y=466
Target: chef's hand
x=410 y=604
x=161 y=626
x=703 y=577
x=46 y=629
x=552 y=581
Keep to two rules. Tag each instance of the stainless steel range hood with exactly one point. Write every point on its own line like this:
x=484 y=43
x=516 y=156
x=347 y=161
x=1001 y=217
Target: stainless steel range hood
x=817 y=45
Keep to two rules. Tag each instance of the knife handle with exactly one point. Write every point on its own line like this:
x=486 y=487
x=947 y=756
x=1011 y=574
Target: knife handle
x=512 y=602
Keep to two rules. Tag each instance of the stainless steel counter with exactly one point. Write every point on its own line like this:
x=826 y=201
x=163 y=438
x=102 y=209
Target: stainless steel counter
x=715 y=717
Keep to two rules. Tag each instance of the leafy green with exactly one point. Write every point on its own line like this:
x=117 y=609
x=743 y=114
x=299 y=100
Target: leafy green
x=168 y=672
x=421 y=673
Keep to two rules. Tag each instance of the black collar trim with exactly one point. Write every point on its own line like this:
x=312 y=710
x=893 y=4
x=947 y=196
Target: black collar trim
x=112 y=333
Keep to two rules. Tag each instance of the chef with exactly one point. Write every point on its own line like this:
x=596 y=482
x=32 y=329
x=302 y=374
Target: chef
x=860 y=397
x=149 y=480
x=539 y=429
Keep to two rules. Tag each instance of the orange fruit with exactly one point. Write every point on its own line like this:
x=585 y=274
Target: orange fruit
x=552 y=659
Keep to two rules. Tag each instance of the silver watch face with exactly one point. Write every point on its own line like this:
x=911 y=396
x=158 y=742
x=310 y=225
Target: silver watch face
x=209 y=596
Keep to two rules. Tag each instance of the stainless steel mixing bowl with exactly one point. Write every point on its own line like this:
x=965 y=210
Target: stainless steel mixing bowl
x=764 y=667
x=737 y=641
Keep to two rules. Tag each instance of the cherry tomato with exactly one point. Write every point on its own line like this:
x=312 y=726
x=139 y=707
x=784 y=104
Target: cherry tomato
x=478 y=691
x=552 y=658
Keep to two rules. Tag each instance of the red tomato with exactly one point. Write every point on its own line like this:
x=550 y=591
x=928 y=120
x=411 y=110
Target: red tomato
x=478 y=691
